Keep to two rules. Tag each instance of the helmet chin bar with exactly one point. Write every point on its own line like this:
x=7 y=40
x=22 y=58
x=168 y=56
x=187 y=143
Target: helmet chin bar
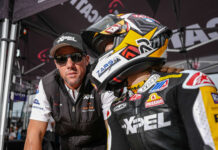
x=118 y=78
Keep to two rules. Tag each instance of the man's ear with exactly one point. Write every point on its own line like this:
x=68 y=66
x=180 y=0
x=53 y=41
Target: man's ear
x=87 y=60
x=56 y=64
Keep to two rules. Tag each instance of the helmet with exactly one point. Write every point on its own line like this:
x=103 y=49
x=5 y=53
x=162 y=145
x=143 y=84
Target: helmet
x=139 y=43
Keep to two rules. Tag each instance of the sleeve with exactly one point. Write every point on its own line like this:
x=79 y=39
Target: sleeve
x=199 y=111
x=41 y=109
x=116 y=137
x=107 y=98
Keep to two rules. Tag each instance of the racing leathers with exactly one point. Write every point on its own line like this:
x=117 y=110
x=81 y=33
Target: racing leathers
x=169 y=112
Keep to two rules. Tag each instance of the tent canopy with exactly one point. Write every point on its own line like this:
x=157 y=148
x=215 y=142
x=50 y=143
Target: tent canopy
x=44 y=20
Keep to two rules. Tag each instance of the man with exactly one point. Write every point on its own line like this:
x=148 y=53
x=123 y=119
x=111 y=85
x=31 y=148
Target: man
x=155 y=110
x=12 y=134
x=67 y=95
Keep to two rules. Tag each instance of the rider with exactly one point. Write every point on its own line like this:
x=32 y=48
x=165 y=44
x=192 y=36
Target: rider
x=155 y=110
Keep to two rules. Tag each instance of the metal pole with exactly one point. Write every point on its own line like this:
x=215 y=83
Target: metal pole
x=7 y=83
x=34 y=68
x=3 y=51
x=194 y=46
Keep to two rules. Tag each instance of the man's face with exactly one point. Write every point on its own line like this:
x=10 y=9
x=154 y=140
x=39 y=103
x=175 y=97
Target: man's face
x=72 y=72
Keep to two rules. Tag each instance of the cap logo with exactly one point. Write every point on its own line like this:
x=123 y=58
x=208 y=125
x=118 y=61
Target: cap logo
x=69 y=38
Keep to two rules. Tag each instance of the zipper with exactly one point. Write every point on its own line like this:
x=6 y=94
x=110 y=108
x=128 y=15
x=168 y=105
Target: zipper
x=73 y=109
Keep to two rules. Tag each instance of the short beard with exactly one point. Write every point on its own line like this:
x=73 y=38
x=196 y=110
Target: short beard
x=74 y=83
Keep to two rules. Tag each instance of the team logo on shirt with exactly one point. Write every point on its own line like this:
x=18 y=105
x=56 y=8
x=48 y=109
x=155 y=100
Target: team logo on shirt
x=88 y=97
x=36 y=101
x=89 y=107
x=197 y=80
x=159 y=86
x=154 y=100
x=215 y=97
x=36 y=105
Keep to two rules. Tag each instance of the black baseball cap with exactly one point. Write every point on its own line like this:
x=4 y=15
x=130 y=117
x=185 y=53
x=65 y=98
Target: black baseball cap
x=67 y=39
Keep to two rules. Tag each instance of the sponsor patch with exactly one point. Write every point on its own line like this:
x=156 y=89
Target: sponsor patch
x=118 y=101
x=134 y=125
x=86 y=97
x=197 y=80
x=144 y=45
x=62 y=38
x=135 y=97
x=86 y=109
x=36 y=101
x=149 y=83
x=113 y=29
x=37 y=107
x=130 y=52
x=159 y=86
x=108 y=113
x=89 y=107
x=154 y=100
x=119 y=107
x=108 y=65
x=215 y=97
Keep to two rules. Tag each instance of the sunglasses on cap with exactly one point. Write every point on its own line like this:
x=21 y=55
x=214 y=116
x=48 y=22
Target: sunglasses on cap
x=75 y=57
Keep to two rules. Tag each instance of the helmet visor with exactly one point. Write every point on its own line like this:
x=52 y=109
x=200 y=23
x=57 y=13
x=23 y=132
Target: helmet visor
x=105 y=22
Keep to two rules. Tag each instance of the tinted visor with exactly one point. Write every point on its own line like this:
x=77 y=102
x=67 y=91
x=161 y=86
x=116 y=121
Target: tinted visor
x=104 y=23
x=88 y=35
